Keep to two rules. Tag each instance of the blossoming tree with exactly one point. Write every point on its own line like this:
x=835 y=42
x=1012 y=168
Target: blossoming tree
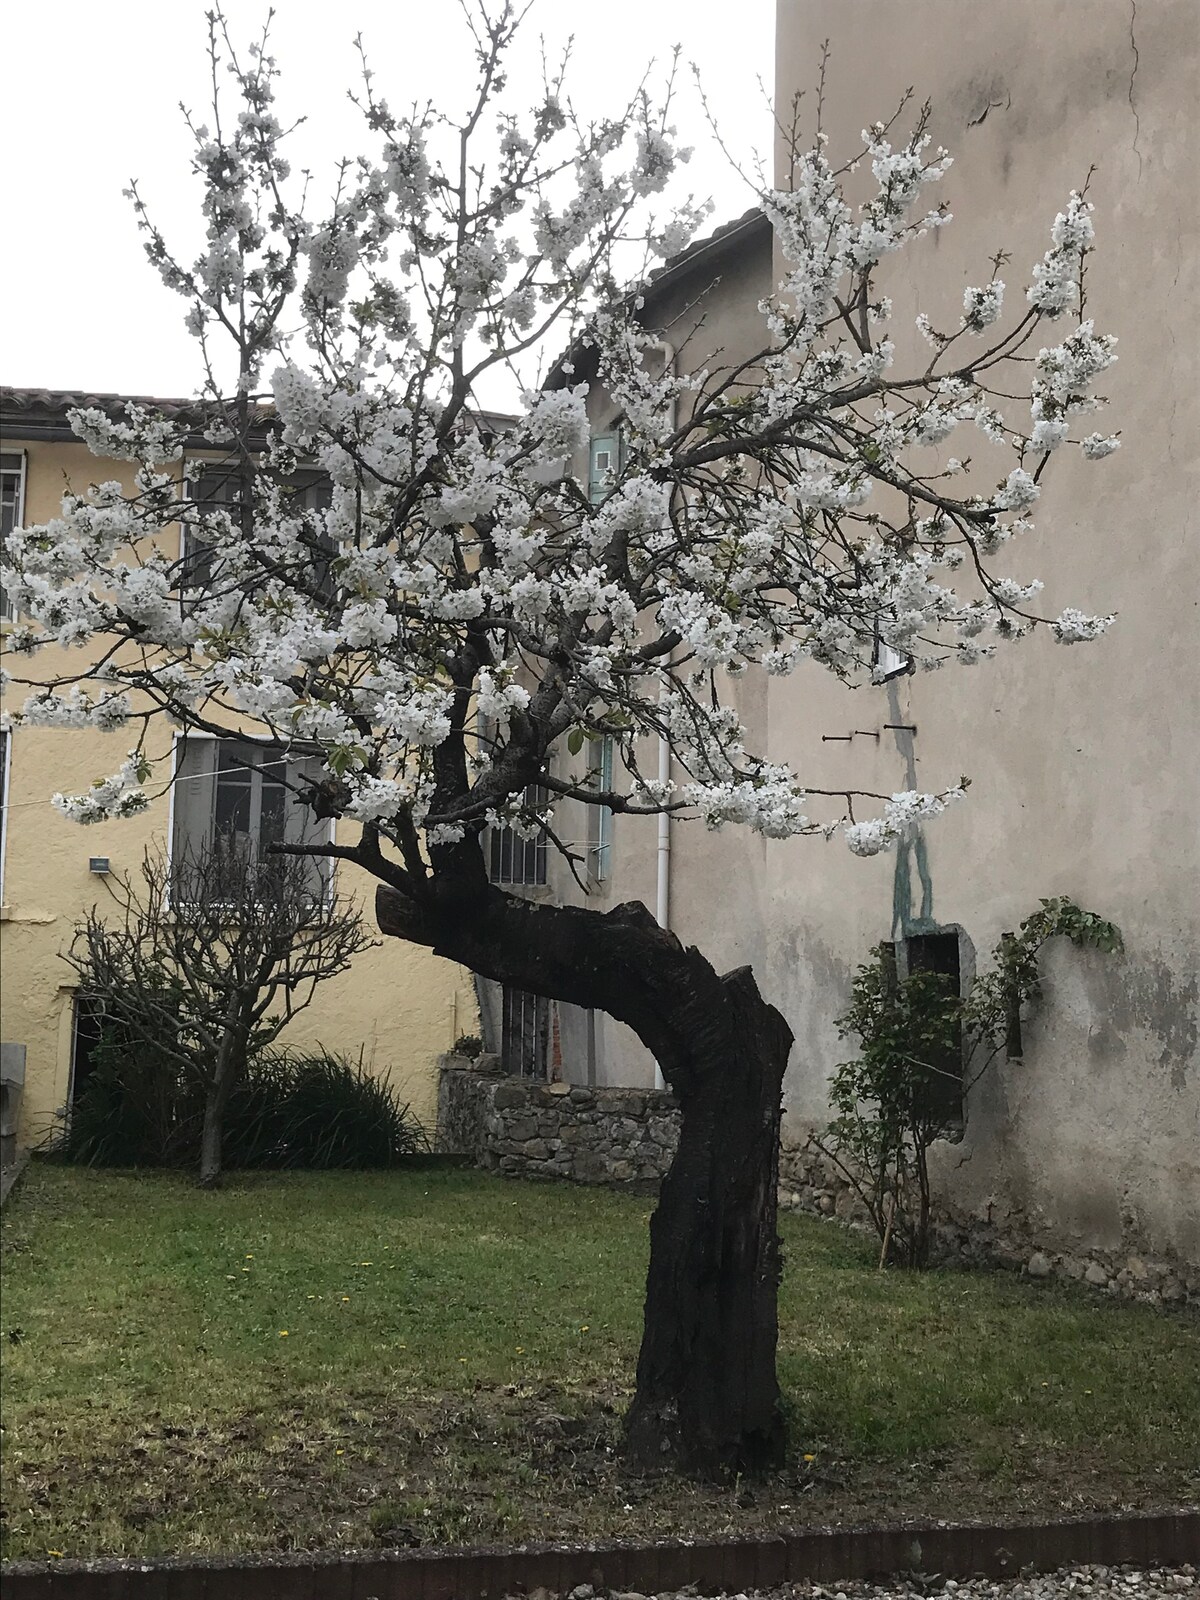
x=449 y=631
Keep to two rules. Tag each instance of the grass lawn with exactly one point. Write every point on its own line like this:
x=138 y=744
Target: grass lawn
x=306 y=1360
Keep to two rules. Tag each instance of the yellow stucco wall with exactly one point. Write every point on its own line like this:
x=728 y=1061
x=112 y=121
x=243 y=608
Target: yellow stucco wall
x=399 y=1005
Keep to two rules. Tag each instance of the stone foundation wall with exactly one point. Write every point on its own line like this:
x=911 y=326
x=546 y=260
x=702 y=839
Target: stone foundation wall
x=627 y=1137
x=808 y=1181
x=512 y=1125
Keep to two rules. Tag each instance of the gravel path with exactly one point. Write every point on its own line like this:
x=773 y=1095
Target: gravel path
x=1070 y=1583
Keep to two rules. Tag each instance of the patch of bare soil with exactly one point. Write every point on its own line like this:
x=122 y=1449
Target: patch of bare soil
x=503 y=1465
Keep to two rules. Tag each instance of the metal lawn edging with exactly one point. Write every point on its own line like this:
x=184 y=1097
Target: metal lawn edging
x=1163 y=1539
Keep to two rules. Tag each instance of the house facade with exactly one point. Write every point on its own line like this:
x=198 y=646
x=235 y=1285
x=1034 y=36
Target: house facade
x=1083 y=762
x=399 y=1007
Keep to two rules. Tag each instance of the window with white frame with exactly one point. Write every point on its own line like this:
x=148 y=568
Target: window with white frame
x=230 y=794
x=889 y=662
x=219 y=483
x=12 y=510
x=600 y=778
x=606 y=458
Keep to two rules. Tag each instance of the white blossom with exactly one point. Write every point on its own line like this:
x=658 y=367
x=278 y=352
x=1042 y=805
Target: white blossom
x=1096 y=446
x=454 y=609
x=121 y=795
x=982 y=307
x=1073 y=627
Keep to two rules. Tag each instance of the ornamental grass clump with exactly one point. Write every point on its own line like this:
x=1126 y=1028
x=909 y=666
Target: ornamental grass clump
x=288 y=1110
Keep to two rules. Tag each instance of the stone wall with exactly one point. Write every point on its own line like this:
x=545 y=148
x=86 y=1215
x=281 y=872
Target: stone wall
x=1003 y=1236
x=626 y=1138
x=555 y=1130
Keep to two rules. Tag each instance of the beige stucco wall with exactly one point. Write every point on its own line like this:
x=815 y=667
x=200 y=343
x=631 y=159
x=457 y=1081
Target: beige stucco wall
x=710 y=316
x=399 y=1005
x=1083 y=760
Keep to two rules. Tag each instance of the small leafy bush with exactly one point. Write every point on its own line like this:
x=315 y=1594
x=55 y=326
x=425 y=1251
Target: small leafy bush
x=891 y=1102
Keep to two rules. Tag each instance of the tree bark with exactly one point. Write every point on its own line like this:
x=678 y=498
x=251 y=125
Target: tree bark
x=226 y=1070
x=707 y=1398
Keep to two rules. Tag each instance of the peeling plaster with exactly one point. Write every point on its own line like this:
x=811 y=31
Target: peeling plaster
x=1151 y=997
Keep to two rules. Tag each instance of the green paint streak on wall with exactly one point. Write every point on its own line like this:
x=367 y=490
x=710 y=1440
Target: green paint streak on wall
x=910 y=851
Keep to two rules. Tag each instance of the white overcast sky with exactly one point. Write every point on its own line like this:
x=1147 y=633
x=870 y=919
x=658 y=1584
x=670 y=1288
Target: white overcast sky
x=91 y=100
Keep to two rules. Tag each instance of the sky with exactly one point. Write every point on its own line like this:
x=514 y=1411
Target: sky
x=93 y=93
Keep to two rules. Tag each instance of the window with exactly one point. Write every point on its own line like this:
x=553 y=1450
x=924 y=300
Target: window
x=513 y=859
x=600 y=777
x=938 y=953
x=12 y=510
x=890 y=663
x=233 y=795
x=220 y=484
x=525 y=1034
x=606 y=458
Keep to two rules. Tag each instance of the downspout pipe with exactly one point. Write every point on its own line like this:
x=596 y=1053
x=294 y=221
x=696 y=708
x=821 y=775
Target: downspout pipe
x=662 y=887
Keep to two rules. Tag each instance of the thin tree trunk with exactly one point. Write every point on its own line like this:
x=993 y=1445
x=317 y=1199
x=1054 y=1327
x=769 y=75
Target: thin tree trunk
x=220 y=1087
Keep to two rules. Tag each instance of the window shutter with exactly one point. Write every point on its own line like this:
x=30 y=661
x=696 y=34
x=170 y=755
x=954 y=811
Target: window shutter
x=600 y=817
x=194 y=798
x=302 y=827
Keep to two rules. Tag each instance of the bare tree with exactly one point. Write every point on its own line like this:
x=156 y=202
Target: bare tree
x=212 y=957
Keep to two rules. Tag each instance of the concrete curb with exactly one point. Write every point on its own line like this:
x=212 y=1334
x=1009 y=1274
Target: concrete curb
x=823 y=1555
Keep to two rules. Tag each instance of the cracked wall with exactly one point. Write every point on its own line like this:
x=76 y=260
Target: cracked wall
x=1083 y=763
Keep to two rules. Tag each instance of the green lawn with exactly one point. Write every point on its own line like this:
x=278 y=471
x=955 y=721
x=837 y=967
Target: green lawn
x=306 y=1360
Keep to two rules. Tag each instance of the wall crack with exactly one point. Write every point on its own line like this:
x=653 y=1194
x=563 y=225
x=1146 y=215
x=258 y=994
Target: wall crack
x=1133 y=45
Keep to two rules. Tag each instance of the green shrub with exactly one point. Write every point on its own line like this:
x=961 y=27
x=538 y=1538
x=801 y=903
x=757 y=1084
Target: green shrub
x=891 y=1102
x=319 y=1111
x=290 y=1110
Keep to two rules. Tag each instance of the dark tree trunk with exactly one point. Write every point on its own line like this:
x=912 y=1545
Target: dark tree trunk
x=231 y=1056
x=707 y=1397
x=215 y=1101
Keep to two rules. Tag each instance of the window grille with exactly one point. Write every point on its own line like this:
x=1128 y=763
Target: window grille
x=525 y=1036
x=514 y=859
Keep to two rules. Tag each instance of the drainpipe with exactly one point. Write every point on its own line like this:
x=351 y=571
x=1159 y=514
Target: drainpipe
x=662 y=898
x=662 y=895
